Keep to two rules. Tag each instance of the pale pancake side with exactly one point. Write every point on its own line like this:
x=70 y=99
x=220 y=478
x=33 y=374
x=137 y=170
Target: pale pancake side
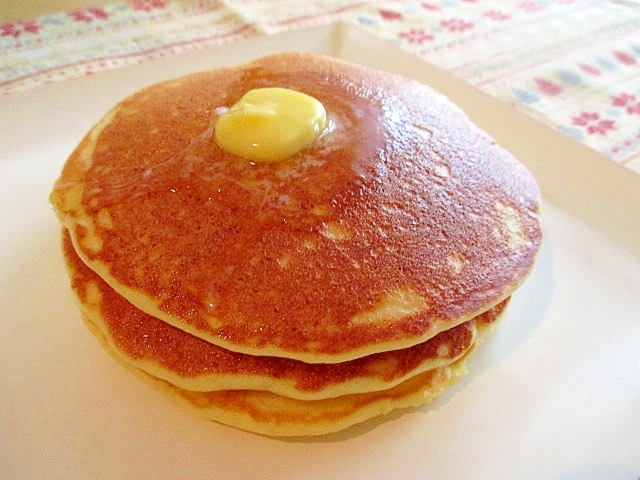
x=404 y=221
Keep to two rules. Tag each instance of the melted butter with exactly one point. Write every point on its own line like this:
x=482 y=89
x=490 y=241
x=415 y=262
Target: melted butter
x=271 y=124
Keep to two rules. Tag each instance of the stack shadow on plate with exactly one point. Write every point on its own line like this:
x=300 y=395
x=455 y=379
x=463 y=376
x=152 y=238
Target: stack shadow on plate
x=302 y=296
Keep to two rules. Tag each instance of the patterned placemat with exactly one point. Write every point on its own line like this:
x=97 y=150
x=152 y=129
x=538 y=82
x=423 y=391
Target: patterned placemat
x=572 y=64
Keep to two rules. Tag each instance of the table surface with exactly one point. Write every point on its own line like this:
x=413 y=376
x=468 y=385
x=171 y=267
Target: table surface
x=574 y=65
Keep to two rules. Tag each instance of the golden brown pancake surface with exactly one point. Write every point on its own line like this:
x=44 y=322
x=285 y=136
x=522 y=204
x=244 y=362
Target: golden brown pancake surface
x=402 y=221
x=194 y=364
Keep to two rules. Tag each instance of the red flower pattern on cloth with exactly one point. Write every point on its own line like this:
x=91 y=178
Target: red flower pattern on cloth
x=16 y=29
x=590 y=69
x=390 y=15
x=634 y=109
x=88 y=15
x=624 y=57
x=531 y=6
x=430 y=6
x=593 y=123
x=623 y=99
x=628 y=101
x=148 y=5
x=456 y=24
x=496 y=15
x=548 y=87
x=416 y=35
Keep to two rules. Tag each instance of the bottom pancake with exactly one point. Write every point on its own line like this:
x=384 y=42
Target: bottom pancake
x=270 y=414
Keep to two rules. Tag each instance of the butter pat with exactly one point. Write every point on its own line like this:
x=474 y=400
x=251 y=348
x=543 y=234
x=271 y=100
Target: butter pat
x=271 y=124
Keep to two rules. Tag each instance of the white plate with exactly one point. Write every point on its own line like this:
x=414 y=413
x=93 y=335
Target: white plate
x=553 y=393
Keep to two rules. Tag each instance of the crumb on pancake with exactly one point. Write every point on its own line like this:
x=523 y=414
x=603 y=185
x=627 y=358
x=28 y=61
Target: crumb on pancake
x=104 y=219
x=510 y=225
x=92 y=294
x=443 y=350
x=336 y=231
x=457 y=262
x=88 y=236
x=442 y=170
x=398 y=303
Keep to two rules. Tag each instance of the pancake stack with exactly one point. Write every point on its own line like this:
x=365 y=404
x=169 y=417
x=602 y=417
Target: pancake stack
x=308 y=294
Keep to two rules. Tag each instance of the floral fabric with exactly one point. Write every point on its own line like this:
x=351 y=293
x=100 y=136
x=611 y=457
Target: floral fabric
x=574 y=64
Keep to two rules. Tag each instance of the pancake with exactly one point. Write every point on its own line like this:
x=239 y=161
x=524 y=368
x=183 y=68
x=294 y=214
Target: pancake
x=274 y=415
x=192 y=364
x=401 y=222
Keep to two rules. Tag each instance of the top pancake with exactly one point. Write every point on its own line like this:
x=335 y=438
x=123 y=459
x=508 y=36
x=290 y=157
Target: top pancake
x=402 y=221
